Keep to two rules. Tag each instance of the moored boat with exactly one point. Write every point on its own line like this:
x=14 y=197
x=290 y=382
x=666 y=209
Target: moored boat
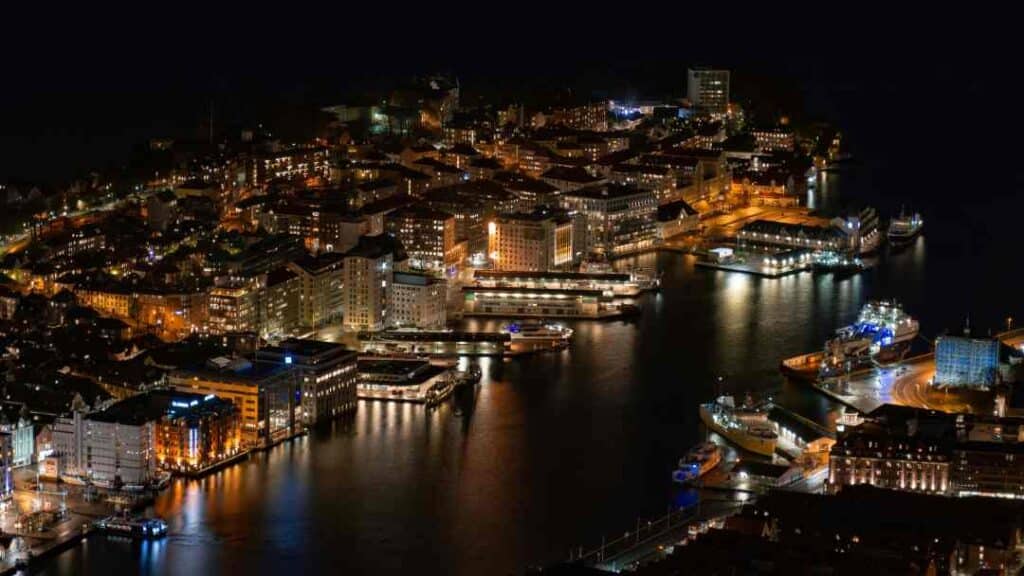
x=882 y=335
x=903 y=228
x=700 y=460
x=750 y=431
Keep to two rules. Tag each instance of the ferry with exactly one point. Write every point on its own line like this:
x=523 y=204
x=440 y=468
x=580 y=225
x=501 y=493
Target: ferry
x=530 y=331
x=750 y=431
x=903 y=229
x=143 y=528
x=882 y=335
x=700 y=460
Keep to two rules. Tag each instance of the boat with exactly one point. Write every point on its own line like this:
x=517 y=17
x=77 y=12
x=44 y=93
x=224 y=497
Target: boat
x=467 y=377
x=836 y=263
x=882 y=335
x=531 y=331
x=750 y=430
x=869 y=237
x=903 y=229
x=135 y=527
x=700 y=460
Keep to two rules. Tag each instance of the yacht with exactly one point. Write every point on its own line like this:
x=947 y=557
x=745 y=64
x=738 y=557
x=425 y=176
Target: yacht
x=700 y=460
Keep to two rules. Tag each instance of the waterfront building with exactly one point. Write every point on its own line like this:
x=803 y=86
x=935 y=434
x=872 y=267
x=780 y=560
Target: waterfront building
x=367 y=274
x=22 y=437
x=417 y=301
x=617 y=219
x=675 y=218
x=610 y=284
x=326 y=373
x=428 y=236
x=408 y=380
x=537 y=302
x=708 y=90
x=964 y=361
x=320 y=279
x=436 y=343
x=126 y=442
x=537 y=241
x=770 y=234
x=263 y=393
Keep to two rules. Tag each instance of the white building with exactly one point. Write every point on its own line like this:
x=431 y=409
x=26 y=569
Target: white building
x=418 y=301
x=367 y=276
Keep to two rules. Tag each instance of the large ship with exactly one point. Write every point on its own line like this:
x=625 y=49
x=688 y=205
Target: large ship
x=882 y=335
x=904 y=229
x=700 y=460
x=750 y=431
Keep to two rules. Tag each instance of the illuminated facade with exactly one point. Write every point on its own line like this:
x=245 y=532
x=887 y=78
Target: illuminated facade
x=326 y=373
x=773 y=140
x=233 y=308
x=367 y=275
x=320 y=277
x=428 y=236
x=708 y=90
x=418 y=301
x=961 y=361
x=536 y=241
x=618 y=219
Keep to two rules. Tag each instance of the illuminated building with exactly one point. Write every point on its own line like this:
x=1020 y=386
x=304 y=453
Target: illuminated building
x=618 y=219
x=773 y=140
x=708 y=90
x=428 y=236
x=896 y=448
x=567 y=179
x=320 y=277
x=403 y=380
x=536 y=302
x=536 y=241
x=676 y=218
x=368 y=272
x=459 y=133
x=417 y=301
x=769 y=234
x=263 y=394
x=618 y=285
x=77 y=241
x=279 y=302
x=532 y=192
x=126 y=442
x=964 y=361
x=289 y=164
x=9 y=300
x=592 y=116
x=326 y=374
x=233 y=308
x=768 y=188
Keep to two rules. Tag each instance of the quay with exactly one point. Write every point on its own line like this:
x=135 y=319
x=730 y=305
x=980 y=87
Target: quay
x=756 y=269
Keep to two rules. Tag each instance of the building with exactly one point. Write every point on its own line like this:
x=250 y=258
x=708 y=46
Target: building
x=428 y=236
x=264 y=395
x=320 y=296
x=617 y=219
x=964 y=361
x=367 y=274
x=125 y=443
x=326 y=373
x=675 y=218
x=280 y=302
x=770 y=234
x=773 y=140
x=896 y=448
x=403 y=380
x=537 y=241
x=233 y=308
x=418 y=301
x=518 y=302
x=618 y=285
x=708 y=90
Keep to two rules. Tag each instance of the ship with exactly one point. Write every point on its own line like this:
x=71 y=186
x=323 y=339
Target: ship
x=881 y=336
x=700 y=460
x=530 y=331
x=903 y=229
x=135 y=527
x=750 y=431
x=868 y=234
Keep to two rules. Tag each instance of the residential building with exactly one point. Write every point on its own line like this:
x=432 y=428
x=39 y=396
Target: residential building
x=618 y=219
x=428 y=236
x=320 y=296
x=367 y=275
x=326 y=373
x=708 y=90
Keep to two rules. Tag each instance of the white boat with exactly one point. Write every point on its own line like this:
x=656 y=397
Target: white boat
x=751 y=432
x=882 y=334
x=904 y=228
x=537 y=331
x=700 y=460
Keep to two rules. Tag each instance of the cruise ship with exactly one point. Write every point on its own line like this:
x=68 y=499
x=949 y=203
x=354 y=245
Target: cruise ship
x=903 y=229
x=750 y=431
x=882 y=335
x=700 y=460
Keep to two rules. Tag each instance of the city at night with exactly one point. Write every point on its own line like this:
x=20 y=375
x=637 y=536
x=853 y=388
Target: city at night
x=555 y=293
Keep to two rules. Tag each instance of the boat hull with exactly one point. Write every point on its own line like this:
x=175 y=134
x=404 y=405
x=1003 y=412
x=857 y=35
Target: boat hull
x=754 y=444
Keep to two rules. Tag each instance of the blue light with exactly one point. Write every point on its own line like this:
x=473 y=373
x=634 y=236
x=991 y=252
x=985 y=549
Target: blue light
x=288 y=359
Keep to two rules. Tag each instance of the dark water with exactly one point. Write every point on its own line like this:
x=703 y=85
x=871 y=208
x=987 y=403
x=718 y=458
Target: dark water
x=555 y=450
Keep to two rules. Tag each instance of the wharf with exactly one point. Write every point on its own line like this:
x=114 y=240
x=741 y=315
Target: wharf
x=755 y=269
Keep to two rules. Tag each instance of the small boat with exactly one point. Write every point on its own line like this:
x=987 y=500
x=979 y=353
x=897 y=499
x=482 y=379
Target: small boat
x=700 y=460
